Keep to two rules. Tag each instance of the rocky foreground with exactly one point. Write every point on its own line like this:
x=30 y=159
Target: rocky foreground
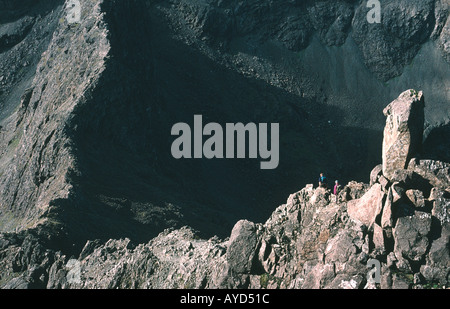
x=316 y=240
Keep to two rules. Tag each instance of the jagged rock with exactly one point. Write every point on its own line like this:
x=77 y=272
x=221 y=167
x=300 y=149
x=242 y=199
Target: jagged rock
x=391 y=260
x=403 y=265
x=437 y=268
x=242 y=246
x=403 y=132
x=416 y=197
x=368 y=207
x=441 y=207
x=436 y=173
x=435 y=193
x=398 y=192
x=444 y=38
x=321 y=197
x=268 y=257
x=18 y=283
x=353 y=190
x=386 y=279
x=377 y=40
x=57 y=274
x=375 y=173
x=314 y=277
x=384 y=182
x=387 y=219
x=378 y=240
x=410 y=236
x=402 y=177
x=34 y=182
x=340 y=248
x=306 y=243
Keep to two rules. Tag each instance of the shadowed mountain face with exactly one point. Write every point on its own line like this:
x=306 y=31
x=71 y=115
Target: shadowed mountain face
x=86 y=145
x=124 y=154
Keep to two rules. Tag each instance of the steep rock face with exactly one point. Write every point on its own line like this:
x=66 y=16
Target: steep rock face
x=40 y=156
x=26 y=28
x=403 y=133
x=382 y=55
x=386 y=47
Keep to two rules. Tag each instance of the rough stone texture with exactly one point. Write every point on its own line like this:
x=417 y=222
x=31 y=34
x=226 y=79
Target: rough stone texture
x=376 y=172
x=434 y=172
x=416 y=197
x=35 y=182
x=368 y=207
x=379 y=240
x=438 y=259
x=403 y=133
x=443 y=25
x=410 y=236
x=63 y=90
x=242 y=247
x=441 y=205
x=387 y=219
x=71 y=115
x=376 y=40
x=309 y=242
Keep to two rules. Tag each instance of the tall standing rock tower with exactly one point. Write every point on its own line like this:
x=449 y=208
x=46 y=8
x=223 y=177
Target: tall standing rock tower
x=403 y=132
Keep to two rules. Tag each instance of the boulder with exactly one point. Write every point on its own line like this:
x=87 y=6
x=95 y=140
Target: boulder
x=340 y=248
x=368 y=207
x=403 y=132
x=410 y=236
x=242 y=247
x=353 y=190
x=437 y=267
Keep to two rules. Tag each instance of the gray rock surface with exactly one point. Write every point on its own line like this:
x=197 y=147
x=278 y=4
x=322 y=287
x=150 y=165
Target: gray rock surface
x=410 y=236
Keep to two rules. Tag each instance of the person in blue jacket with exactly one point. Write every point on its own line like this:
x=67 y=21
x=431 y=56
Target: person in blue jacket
x=323 y=181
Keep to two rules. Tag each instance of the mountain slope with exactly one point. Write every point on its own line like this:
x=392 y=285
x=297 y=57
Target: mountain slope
x=87 y=108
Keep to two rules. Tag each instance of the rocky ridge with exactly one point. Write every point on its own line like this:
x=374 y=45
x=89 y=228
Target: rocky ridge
x=315 y=240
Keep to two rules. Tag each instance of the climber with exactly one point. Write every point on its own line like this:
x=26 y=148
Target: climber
x=322 y=181
x=337 y=188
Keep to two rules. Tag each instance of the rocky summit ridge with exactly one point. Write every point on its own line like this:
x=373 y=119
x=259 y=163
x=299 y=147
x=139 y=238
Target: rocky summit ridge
x=315 y=240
